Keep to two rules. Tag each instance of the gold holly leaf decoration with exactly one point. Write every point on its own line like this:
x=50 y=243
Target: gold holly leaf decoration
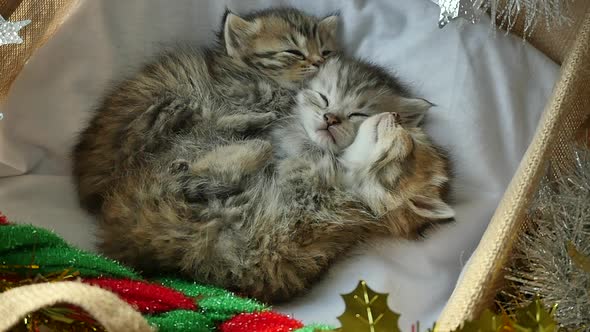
x=367 y=310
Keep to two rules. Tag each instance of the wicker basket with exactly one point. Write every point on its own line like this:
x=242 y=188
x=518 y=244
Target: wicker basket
x=564 y=115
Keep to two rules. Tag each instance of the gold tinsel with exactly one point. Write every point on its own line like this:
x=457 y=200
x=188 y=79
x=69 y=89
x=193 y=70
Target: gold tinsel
x=532 y=318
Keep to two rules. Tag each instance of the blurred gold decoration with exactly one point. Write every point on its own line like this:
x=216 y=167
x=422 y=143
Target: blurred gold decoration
x=367 y=310
x=534 y=318
x=531 y=318
x=488 y=322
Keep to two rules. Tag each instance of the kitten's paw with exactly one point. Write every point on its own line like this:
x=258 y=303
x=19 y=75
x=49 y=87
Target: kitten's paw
x=178 y=166
x=386 y=133
x=394 y=141
x=247 y=121
x=387 y=127
x=380 y=140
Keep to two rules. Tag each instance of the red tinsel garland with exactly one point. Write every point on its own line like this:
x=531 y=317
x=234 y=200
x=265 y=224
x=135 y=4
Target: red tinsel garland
x=3 y=219
x=146 y=297
x=266 y=321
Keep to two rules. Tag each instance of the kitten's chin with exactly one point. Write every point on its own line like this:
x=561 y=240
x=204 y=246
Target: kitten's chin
x=326 y=141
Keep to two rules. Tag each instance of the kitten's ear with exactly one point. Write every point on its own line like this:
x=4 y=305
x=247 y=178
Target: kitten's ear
x=412 y=110
x=329 y=25
x=235 y=30
x=431 y=208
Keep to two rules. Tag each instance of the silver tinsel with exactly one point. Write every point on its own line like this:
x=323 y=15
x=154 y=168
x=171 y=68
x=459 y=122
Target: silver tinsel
x=542 y=264
x=552 y=12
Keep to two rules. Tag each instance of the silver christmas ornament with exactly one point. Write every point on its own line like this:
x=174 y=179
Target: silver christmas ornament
x=470 y=10
x=553 y=12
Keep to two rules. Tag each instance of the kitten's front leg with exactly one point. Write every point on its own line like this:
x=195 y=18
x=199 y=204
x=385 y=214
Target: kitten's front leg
x=222 y=172
x=244 y=122
x=152 y=129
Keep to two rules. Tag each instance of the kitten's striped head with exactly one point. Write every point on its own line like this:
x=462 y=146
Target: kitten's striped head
x=346 y=92
x=284 y=44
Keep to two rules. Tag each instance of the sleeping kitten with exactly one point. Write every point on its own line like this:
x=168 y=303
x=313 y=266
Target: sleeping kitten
x=233 y=90
x=298 y=210
x=332 y=106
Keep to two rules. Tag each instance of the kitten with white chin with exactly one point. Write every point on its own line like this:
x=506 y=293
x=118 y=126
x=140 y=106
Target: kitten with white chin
x=343 y=94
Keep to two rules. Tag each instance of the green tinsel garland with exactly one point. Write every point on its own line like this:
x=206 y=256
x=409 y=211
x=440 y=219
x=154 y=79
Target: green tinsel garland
x=26 y=250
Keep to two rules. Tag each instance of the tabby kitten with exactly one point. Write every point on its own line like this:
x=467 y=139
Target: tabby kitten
x=233 y=90
x=332 y=106
x=300 y=209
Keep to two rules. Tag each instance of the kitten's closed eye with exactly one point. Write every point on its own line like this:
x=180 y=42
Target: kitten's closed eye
x=357 y=115
x=318 y=99
x=296 y=53
x=326 y=103
x=326 y=53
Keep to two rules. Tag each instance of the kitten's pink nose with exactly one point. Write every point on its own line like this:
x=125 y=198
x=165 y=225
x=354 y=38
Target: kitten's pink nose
x=331 y=119
x=317 y=60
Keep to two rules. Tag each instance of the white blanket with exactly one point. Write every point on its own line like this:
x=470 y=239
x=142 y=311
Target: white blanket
x=489 y=90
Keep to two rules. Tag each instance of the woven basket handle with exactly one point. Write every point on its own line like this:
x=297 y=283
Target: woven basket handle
x=111 y=312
